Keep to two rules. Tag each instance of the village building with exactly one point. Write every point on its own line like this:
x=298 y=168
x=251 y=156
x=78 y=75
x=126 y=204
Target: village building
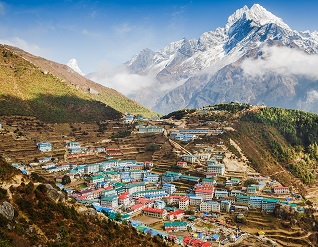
x=281 y=190
x=256 y=201
x=44 y=146
x=175 y=215
x=269 y=204
x=206 y=194
x=150 y=129
x=189 y=158
x=169 y=177
x=210 y=206
x=134 y=187
x=150 y=194
x=159 y=204
x=151 y=178
x=123 y=199
x=175 y=226
x=109 y=201
x=251 y=189
x=96 y=179
x=208 y=182
x=73 y=147
x=219 y=169
x=236 y=192
x=182 y=164
x=184 y=202
x=182 y=137
x=190 y=178
x=220 y=194
x=155 y=212
x=195 y=200
x=203 y=156
x=169 y=188
x=225 y=205
x=91 y=168
x=242 y=200
x=148 y=164
x=181 y=201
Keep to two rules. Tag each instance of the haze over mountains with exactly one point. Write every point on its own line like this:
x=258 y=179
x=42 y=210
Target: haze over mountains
x=255 y=58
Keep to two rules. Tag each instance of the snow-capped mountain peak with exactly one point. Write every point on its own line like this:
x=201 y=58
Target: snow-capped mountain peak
x=258 y=15
x=72 y=63
x=254 y=58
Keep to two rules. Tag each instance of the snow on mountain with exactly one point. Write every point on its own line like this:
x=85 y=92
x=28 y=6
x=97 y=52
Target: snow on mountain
x=72 y=63
x=213 y=68
x=258 y=15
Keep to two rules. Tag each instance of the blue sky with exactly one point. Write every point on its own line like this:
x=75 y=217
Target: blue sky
x=112 y=31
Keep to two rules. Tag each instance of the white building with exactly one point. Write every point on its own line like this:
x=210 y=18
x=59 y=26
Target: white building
x=189 y=158
x=210 y=206
x=281 y=190
x=219 y=194
x=109 y=201
x=91 y=168
x=195 y=200
x=184 y=202
x=44 y=146
x=73 y=147
x=219 y=169
x=132 y=188
x=169 y=188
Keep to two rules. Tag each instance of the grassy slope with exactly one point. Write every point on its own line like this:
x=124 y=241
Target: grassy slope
x=26 y=90
x=106 y=95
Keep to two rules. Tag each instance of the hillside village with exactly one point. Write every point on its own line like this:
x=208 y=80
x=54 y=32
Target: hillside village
x=181 y=182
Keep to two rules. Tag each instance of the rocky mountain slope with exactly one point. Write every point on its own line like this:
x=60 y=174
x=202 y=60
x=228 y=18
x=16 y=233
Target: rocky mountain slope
x=255 y=58
x=34 y=86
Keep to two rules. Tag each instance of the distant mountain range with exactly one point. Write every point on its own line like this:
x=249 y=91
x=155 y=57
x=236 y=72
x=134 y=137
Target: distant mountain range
x=34 y=86
x=255 y=58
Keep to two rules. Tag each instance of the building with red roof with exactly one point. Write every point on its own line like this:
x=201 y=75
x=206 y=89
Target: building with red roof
x=206 y=194
x=123 y=199
x=155 y=212
x=176 y=215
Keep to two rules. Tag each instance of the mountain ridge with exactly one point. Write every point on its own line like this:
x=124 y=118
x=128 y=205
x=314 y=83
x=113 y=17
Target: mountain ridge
x=34 y=86
x=173 y=68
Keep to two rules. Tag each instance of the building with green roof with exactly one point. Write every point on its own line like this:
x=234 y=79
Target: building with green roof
x=175 y=226
x=269 y=204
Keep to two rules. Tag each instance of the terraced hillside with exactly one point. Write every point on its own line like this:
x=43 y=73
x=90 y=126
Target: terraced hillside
x=285 y=235
x=33 y=86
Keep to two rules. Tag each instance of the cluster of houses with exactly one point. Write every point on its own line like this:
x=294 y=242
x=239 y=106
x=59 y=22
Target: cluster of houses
x=127 y=186
x=187 y=135
x=130 y=188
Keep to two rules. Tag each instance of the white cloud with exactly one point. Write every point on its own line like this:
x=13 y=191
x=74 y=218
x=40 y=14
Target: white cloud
x=282 y=60
x=123 y=28
x=312 y=96
x=120 y=79
x=91 y=33
x=2 y=8
x=24 y=45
